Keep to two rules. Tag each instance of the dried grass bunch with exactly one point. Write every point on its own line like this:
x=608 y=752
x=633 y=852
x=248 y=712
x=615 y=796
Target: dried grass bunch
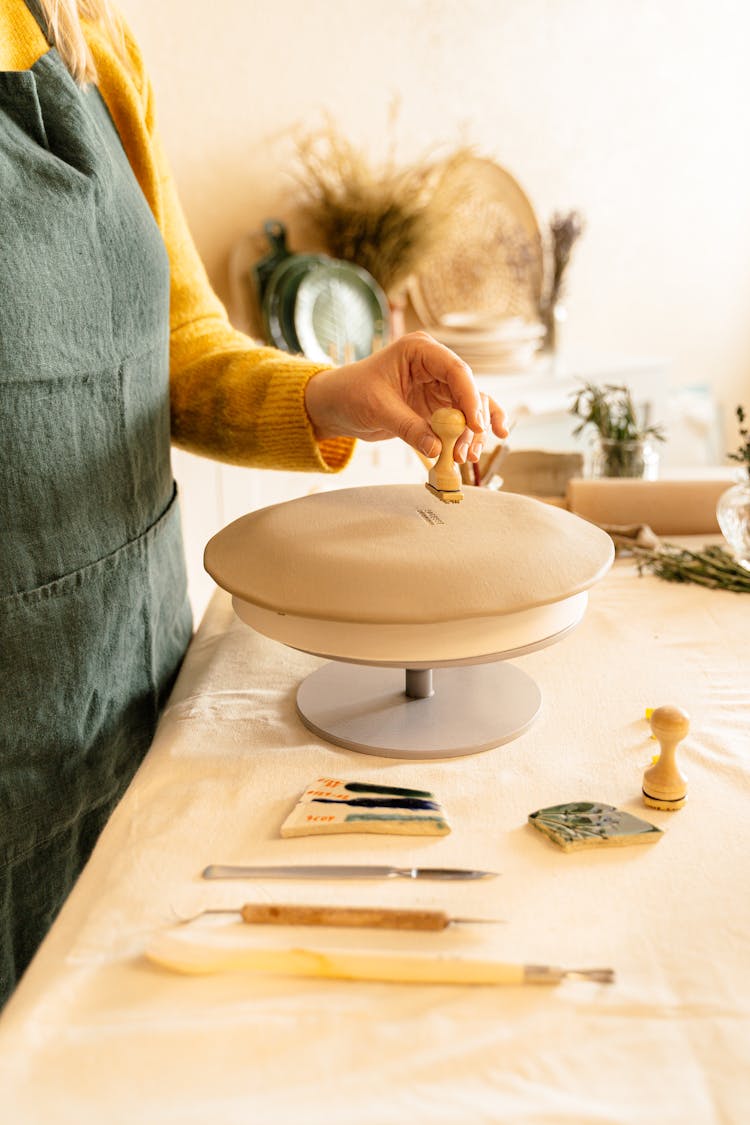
x=387 y=219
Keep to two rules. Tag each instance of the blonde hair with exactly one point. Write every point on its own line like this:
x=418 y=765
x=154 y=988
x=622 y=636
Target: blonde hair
x=63 y=20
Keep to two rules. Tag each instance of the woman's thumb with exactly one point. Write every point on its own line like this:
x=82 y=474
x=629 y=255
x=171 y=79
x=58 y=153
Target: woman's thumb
x=412 y=429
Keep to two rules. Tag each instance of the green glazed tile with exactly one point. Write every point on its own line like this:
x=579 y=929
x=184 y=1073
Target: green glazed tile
x=586 y=824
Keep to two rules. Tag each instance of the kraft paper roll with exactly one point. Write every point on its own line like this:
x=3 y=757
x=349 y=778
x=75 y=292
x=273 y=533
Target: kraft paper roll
x=669 y=507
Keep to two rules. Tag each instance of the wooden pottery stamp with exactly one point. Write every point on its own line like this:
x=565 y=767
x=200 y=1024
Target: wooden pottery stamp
x=664 y=784
x=331 y=805
x=444 y=480
x=588 y=824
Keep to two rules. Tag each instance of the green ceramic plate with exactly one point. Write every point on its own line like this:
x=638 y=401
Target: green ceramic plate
x=279 y=297
x=340 y=312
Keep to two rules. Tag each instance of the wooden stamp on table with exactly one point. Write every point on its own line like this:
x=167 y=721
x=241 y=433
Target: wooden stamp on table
x=664 y=784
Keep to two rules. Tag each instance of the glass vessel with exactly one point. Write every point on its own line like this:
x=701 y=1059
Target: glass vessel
x=733 y=514
x=612 y=458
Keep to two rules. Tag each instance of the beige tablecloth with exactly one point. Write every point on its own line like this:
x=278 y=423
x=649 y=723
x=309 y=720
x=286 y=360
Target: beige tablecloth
x=95 y=1033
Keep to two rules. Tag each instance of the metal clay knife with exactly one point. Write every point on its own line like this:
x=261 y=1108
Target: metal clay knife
x=341 y=871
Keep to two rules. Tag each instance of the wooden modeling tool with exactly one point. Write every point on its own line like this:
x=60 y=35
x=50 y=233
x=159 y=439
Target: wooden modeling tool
x=380 y=918
x=178 y=950
x=664 y=784
x=444 y=480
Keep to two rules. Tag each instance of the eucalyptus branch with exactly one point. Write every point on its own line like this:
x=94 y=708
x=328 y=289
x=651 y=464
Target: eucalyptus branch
x=712 y=567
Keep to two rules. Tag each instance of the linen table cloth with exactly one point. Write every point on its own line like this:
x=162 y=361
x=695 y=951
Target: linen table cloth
x=96 y=1033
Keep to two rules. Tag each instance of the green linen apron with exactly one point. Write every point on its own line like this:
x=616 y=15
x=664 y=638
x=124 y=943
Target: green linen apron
x=94 y=617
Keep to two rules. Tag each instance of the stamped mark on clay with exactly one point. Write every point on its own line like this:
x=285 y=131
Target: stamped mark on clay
x=429 y=516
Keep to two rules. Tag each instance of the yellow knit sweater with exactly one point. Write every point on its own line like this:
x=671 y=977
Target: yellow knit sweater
x=231 y=399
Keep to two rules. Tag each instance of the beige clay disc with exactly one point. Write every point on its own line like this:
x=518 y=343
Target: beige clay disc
x=395 y=554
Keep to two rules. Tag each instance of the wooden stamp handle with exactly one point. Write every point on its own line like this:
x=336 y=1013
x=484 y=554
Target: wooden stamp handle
x=448 y=424
x=375 y=917
x=664 y=784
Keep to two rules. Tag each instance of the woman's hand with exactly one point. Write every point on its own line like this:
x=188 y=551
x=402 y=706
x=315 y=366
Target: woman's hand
x=394 y=393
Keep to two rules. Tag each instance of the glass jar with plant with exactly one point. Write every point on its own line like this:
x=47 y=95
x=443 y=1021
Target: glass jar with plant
x=623 y=444
x=733 y=509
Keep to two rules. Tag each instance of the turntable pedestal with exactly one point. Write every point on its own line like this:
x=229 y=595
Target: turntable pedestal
x=418 y=606
x=468 y=709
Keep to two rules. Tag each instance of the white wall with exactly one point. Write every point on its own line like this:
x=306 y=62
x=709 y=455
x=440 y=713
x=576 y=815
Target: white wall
x=634 y=112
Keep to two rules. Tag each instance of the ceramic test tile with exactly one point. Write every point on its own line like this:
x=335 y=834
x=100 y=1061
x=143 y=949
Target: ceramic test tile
x=586 y=824
x=331 y=805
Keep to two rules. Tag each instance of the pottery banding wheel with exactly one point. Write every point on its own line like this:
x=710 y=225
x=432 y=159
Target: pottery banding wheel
x=386 y=578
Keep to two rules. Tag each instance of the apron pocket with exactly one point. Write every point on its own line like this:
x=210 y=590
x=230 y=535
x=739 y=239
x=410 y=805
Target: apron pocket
x=19 y=98
x=85 y=665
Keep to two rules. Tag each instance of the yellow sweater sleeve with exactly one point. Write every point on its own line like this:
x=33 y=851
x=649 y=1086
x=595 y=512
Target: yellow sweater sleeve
x=231 y=399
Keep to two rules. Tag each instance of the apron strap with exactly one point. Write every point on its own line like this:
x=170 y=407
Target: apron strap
x=36 y=11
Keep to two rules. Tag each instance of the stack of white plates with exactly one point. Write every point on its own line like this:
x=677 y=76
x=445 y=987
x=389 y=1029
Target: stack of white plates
x=498 y=347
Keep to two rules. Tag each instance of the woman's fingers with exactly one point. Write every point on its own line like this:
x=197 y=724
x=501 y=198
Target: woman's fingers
x=496 y=418
x=433 y=363
x=478 y=440
x=470 y=445
x=394 y=393
x=405 y=423
x=482 y=413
